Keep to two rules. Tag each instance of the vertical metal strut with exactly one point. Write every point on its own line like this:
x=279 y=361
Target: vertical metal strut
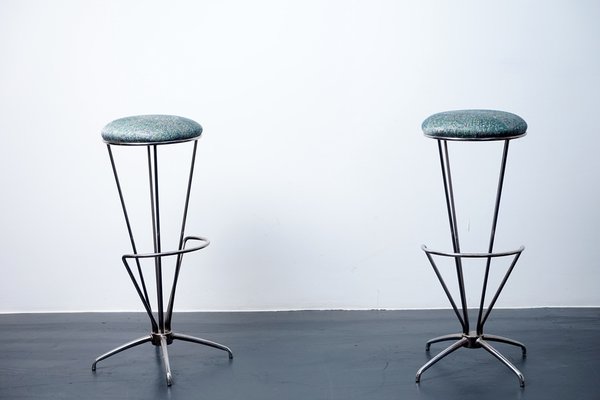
x=155 y=207
x=145 y=297
x=181 y=240
x=449 y=192
x=481 y=321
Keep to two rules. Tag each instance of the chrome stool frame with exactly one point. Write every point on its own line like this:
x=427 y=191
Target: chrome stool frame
x=161 y=333
x=471 y=338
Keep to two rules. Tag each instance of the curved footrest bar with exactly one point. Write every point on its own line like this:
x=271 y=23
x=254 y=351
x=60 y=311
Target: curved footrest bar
x=205 y=243
x=142 y=289
x=473 y=255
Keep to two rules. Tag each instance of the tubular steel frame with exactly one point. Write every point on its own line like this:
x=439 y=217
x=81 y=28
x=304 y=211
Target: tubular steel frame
x=161 y=332
x=471 y=338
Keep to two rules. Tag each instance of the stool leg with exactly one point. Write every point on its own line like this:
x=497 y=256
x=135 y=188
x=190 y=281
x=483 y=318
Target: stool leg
x=480 y=318
x=204 y=342
x=503 y=360
x=165 y=357
x=155 y=210
x=141 y=289
x=169 y=313
x=119 y=349
x=501 y=339
x=452 y=336
x=439 y=356
x=452 y=220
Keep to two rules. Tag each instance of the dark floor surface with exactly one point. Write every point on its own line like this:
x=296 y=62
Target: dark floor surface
x=299 y=355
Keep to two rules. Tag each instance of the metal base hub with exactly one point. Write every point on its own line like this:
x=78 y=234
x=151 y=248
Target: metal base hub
x=156 y=338
x=472 y=340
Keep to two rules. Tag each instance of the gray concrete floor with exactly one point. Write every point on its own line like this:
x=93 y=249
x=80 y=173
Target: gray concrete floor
x=299 y=355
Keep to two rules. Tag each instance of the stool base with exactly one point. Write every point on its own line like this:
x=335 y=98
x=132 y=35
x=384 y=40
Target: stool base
x=473 y=341
x=163 y=340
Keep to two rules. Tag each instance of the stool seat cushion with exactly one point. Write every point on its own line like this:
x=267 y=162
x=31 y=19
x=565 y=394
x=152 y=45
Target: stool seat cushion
x=474 y=125
x=150 y=129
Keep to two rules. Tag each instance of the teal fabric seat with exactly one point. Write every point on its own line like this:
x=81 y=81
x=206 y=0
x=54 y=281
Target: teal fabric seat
x=151 y=129
x=474 y=125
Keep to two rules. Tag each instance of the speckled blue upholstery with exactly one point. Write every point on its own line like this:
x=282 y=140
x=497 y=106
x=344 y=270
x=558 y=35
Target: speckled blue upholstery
x=474 y=125
x=152 y=129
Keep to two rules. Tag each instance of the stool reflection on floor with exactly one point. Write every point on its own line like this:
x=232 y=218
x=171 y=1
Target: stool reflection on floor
x=472 y=125
x=153 y=131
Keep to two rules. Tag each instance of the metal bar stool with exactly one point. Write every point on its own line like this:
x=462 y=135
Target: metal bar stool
x=472 y=125
x=153 y=131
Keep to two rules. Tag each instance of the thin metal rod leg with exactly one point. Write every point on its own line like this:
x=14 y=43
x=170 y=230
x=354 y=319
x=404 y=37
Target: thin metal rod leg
x=204 y=342
x=165 y=357
x=452 y=336
x=449 y=193
x=500 y=288
x=439 y=356
x=481 y=321
x=181 y=241
x=146 y=303
x=502 y=339
x=129 y=231
x=155 y=208
x=503 y=360
x=445 y=287
x=119 y=349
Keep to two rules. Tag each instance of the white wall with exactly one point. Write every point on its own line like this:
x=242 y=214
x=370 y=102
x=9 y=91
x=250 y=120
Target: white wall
x=314 y=182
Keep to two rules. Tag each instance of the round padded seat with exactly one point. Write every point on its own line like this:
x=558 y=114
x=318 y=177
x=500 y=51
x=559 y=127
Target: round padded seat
x=474 y=125
x=151 y=129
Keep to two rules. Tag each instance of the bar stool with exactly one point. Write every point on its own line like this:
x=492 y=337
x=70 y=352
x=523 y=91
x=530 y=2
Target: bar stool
x=472 y=125
x=153 y=131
